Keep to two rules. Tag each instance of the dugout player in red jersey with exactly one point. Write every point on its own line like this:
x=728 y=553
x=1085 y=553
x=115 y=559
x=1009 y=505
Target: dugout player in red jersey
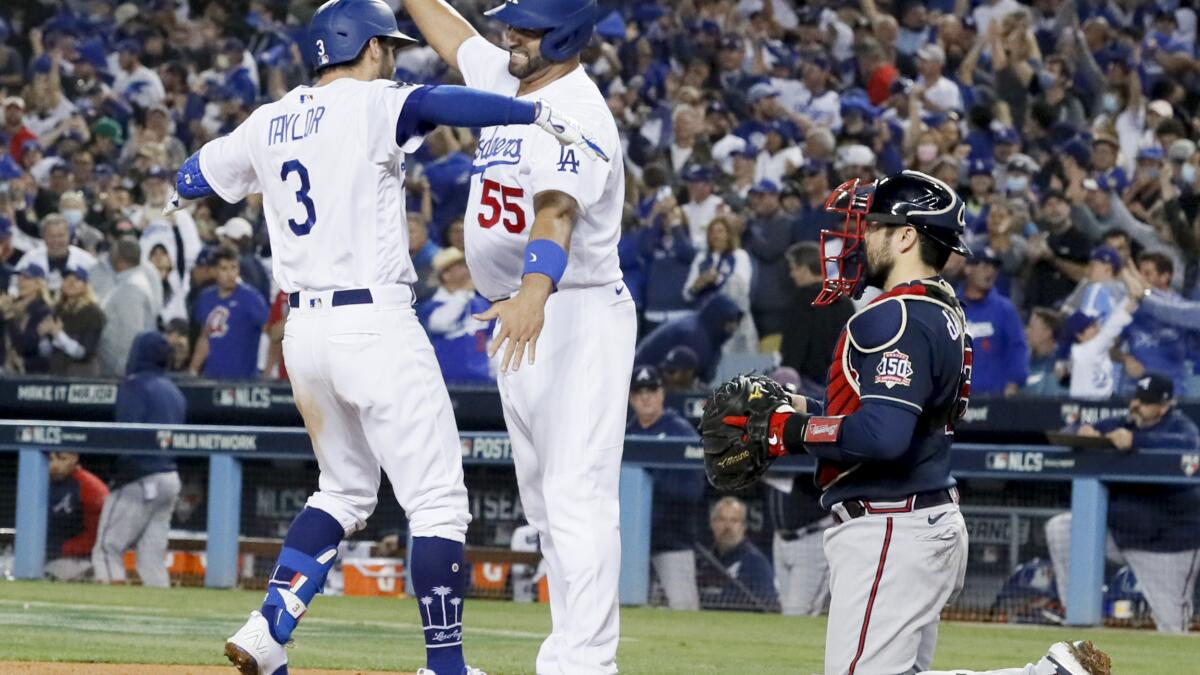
x=900 y=379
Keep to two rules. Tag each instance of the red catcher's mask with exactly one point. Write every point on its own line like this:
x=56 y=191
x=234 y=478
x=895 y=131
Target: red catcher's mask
x=844 y=252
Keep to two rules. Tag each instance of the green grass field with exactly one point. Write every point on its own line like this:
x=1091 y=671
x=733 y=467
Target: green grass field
x=85 y=623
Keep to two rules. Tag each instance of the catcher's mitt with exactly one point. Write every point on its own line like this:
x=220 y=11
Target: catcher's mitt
x=736 y=426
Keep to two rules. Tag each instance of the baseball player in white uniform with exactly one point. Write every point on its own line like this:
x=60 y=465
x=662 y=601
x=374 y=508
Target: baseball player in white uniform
x=542 y=226
x=329 y=160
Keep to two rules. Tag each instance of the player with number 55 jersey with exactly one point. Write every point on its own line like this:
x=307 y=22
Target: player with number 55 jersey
x=329 y=160
x=542 y=226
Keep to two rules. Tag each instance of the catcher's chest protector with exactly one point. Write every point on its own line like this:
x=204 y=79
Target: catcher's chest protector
x=842 y=391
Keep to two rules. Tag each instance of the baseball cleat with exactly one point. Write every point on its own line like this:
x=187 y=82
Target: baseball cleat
x=468 y=671
x=253 y=651
x=1079 y=658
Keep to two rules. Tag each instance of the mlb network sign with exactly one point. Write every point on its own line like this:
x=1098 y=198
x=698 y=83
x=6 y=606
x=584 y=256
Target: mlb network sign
x=185 y=440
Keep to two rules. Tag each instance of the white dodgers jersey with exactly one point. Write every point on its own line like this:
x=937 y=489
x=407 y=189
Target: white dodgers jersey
x=514 y=163
x=329 y=163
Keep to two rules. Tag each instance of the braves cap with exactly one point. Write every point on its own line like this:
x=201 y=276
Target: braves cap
x=1155 y=388
x=645 y=377
x=681 y=358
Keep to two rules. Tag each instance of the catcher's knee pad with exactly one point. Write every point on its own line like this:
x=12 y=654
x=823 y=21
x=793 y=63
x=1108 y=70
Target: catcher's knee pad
x=297 y=578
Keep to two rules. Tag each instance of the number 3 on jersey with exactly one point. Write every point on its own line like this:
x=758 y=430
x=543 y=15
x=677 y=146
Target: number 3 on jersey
x=516 y=224
x=294 y=166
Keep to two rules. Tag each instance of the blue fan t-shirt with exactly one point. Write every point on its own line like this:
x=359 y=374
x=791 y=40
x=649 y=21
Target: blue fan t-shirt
x=233 y=325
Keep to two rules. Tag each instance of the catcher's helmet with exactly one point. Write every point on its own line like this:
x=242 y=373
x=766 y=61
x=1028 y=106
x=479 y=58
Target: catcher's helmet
x=906 y=198
x=340 y=29
x=569 y=24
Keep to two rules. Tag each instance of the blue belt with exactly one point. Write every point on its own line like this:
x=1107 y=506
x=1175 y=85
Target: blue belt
x=351 y=296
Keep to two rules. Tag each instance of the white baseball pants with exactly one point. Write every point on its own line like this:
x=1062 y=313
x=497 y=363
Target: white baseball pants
x=890 y=577
x=138 y=515
x=676 y=572
x=1167 y=579
x=566 y=418
x=368 y=385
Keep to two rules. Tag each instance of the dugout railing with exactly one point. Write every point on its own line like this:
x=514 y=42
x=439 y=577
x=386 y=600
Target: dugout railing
x=225 y=448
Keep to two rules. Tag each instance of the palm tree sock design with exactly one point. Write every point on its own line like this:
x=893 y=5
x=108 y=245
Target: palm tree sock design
x=439 y=580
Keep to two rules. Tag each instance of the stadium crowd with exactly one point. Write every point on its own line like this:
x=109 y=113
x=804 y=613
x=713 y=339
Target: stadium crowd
x=1067 y=127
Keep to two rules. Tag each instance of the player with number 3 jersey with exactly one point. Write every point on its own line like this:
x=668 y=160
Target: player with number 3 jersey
x=329 y=160
x=542 y=225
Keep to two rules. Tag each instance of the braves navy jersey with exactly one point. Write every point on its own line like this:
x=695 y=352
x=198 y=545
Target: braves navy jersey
x=1151 y=516
x=678 y=493
x=75 y=505
x=746 y=580
x=899 y=380
x=233 y=325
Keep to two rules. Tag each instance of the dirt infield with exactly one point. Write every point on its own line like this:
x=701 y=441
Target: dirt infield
x=44 y=668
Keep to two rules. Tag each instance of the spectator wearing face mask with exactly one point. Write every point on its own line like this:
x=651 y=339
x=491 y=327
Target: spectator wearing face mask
x=74 y=209
x=1018 y=178
x=1145 y=191
x=1180 y=154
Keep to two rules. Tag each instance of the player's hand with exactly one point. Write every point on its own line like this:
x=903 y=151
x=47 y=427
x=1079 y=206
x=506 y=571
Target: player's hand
x=521 y=320
x=1088 y=430
x=568 y=131
x=1121 y=438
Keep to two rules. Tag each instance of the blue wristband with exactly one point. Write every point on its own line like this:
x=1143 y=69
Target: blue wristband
x=543 y=256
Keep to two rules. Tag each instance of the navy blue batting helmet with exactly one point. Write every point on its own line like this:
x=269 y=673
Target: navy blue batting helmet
x=569 y=24
x=340 y=29
x=924 y=202
x=907 y=198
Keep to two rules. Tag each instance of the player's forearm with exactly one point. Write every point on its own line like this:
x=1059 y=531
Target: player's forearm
x=876 y=432
x=549 y=241
x=1164 y=440
x=442 y=26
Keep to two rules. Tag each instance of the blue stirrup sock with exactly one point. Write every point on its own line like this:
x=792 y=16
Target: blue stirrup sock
x=309 y=550
x=439 y=579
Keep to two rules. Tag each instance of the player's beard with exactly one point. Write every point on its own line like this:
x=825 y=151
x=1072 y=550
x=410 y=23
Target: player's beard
x=879 y=267
x=533 y=63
